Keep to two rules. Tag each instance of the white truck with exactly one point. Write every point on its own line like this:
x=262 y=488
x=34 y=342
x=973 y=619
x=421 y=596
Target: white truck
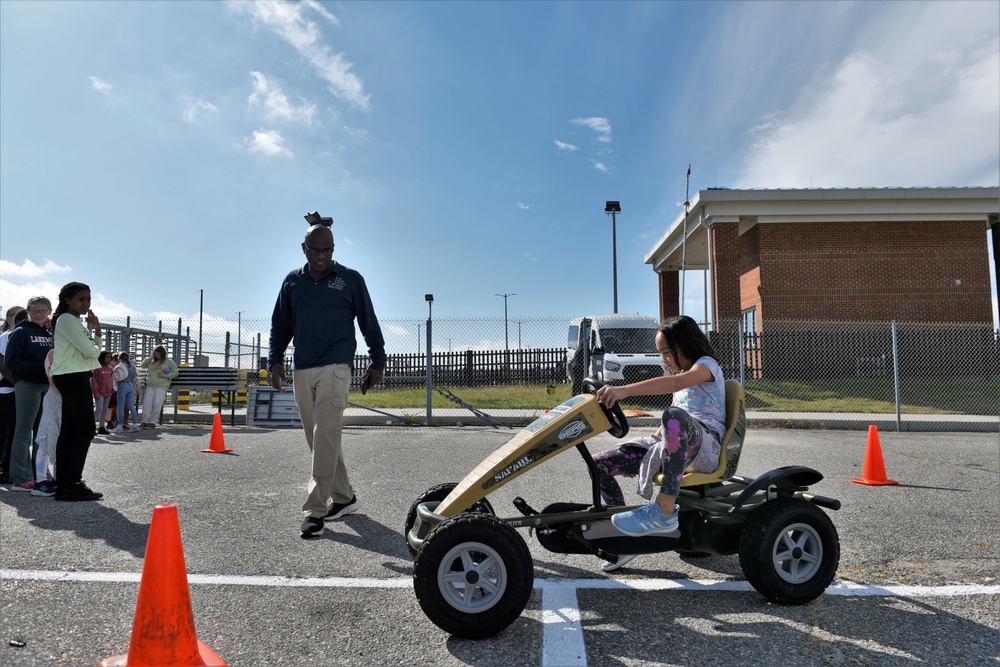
x=614 y=348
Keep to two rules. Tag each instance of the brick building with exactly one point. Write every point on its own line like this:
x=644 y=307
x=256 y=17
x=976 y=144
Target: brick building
x=860 y=254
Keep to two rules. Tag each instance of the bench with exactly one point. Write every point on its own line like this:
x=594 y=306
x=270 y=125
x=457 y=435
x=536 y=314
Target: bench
x=193 y=378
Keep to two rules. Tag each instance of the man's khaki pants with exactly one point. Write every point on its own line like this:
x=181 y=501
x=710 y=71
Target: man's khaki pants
x=321 y=396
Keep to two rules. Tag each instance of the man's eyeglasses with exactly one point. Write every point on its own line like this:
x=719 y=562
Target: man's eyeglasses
x=316 y=252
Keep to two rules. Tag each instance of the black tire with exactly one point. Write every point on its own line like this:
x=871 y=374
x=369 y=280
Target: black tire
x=439 y=493
x=473 y=576
x=789 y=551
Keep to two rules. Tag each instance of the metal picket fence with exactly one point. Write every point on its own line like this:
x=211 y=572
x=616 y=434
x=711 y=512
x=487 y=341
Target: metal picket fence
x=504 y=365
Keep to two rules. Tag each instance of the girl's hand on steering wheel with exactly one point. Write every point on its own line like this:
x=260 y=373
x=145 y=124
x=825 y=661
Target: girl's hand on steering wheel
x=609 y=395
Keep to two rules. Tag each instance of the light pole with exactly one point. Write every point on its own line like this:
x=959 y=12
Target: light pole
x=239 y=338
x=506 y=333
x=612 y=207
x=429 y=298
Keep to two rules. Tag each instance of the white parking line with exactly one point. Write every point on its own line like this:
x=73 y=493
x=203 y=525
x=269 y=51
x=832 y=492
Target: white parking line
x=846 y=588
x=562 y=634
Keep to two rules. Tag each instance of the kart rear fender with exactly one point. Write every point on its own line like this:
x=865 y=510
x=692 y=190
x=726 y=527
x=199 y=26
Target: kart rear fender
x=787 y=477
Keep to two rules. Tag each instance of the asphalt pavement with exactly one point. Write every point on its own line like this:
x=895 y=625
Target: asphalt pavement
x=917 y=581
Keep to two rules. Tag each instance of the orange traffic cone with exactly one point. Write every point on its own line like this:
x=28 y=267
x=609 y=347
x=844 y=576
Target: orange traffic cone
x=217 y=443
x=873 y=472
x=163 y=627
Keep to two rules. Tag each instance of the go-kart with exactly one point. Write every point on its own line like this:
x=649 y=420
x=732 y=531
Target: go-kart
x=473 y=572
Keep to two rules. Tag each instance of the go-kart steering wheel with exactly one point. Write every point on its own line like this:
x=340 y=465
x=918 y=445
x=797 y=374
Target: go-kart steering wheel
x=619 y=424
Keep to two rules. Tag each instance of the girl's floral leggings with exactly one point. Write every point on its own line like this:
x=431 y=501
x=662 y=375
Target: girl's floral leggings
x=682 y=439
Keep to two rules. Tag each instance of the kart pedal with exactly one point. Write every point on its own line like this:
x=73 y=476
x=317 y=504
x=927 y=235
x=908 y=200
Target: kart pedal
x=523 y=507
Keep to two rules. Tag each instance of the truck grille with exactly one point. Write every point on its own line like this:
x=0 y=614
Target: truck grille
x=639 y=373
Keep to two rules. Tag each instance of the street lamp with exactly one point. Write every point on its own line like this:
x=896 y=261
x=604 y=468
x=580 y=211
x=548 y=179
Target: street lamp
x=239 y=338
x=506 y=334
x=612 y=207
x=429 y=298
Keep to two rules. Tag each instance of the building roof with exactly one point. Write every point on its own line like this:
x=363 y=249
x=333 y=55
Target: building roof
x=763 y=206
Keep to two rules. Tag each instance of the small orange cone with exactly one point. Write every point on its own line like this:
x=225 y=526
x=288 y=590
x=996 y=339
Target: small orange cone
x=873 y=472
x=218 y=443
x=163 y=627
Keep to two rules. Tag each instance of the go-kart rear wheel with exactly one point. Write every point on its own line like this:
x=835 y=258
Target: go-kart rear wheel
x=437 y=494
x=789 y=550
x=473 y=576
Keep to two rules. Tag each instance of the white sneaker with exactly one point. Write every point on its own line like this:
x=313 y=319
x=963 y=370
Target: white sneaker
x=133 y=427
x=646 y=520
x=608 y=566
x=117 y=429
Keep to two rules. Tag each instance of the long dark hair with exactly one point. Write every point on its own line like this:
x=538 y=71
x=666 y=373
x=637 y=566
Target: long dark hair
x=67 y=292
x=682 y=334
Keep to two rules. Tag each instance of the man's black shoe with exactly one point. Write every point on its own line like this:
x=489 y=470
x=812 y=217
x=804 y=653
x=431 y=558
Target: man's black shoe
x=78 y=492
x=338 y=510
x=312 y=527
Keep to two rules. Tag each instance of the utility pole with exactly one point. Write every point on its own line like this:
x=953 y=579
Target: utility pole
x=612 y=207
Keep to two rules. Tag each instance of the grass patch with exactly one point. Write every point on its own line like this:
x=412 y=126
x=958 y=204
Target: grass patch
x=919 y=396
x=876 y=396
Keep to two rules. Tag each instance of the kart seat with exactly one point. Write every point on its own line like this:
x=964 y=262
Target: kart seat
x=732 y=442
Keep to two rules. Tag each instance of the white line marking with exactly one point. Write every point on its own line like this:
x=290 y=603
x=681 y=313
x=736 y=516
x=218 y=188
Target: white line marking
x=846 y=588
x=562 y=636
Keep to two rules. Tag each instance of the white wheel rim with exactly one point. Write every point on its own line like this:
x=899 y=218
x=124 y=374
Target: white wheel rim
x=472 y=577
x=797 y=553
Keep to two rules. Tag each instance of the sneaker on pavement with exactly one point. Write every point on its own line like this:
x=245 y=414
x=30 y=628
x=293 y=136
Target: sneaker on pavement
x=312 y=526
x=132 y=427
x=646 y=520
x=77 y=492
x=608 y=566
x=23 y=486
x=103 y=431
x=117 y=429
x=45 y=489
x=338 y=510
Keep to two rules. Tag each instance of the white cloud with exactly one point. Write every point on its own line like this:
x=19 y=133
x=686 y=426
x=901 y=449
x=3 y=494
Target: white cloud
x=599 y=125
x=29 y=269
x=524 y=207
x=600 y=166
x=289 y=22
x=267 y=142
x=22 y=281
x=563 y=146
x=195 y=109
x=99 y=85
x=918 y=108
x=274 y=102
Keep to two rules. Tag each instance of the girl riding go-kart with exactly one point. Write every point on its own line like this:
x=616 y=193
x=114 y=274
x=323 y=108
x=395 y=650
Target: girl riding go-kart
x=473 y=571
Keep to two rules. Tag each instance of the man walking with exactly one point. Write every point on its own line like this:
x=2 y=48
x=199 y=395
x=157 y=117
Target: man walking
x=317 y=306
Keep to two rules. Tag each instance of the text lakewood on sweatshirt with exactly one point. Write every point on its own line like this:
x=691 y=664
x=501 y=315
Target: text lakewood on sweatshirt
x=26 y=350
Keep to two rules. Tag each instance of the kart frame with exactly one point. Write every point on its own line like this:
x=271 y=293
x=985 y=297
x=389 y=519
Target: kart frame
x=473 y=571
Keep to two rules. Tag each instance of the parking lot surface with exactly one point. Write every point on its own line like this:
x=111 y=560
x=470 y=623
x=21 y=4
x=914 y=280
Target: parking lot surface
x=917 y=581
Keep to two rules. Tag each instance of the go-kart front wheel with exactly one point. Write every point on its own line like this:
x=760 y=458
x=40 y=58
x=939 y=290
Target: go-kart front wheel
x=437 y=494
x=473 y=576
x=789 y=551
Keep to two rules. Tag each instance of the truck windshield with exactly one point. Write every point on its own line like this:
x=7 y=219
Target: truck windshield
x=629 y=341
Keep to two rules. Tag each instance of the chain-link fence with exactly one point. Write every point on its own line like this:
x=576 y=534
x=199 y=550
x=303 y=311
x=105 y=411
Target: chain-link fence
x=497 y=365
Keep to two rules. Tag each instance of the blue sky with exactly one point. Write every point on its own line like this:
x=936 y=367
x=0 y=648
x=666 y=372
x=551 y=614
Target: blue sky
x=154 y=149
